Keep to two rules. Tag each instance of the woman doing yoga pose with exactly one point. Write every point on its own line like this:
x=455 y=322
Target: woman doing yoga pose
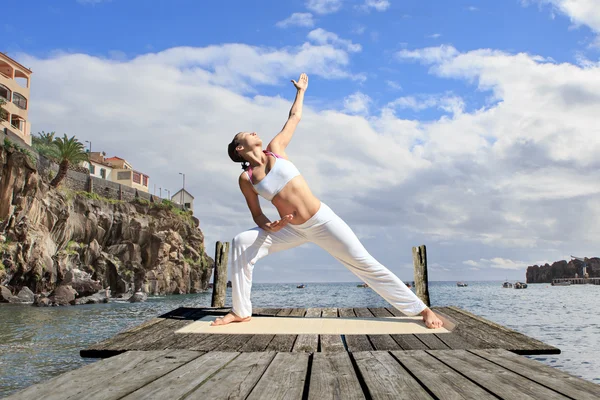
x=303 y=218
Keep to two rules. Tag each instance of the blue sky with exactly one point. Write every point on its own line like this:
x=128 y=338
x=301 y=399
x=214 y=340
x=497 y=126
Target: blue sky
x=464 y=125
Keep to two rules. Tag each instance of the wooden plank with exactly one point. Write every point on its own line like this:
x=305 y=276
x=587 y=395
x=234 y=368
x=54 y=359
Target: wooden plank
x=553 y=378
x=308 y=343
x=494 y=378
x=120 y=342
x=409 y=342
x=179 y=382
x=355 y=342
x=333 y=377
x=385 y=378
x=514 y=341
x=265 y=312
x=102 y=371
x=257 y=343
x=284 y=312
x=525 y=340
x=113 y=379
x=283 y=379
x=233 y=343
x=282 y=343
x=454 y=341
x=210 y=342
x=439 y=379
x=331 y=343
x=379 y=342
x=236 y=380
x=432 y=341
x=285 y=342
x=329 y=313
x=297 y=312
x=395 y=312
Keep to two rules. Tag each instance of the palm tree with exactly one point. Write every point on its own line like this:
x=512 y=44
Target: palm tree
x=46 y=138
x=70 y=151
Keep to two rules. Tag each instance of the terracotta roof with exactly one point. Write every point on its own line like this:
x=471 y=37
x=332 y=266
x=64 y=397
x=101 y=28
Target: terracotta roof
x=16 y=62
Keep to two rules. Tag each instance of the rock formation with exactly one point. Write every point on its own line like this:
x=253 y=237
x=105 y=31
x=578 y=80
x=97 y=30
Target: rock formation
x=562 y=269
x=66 y=245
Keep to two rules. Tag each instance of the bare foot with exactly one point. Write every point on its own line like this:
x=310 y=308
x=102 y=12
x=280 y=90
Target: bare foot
x=231 y=317
x=431 y=320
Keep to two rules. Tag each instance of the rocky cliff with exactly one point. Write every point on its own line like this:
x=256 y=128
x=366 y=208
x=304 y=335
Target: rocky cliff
x=562 y=269
x=58 y=240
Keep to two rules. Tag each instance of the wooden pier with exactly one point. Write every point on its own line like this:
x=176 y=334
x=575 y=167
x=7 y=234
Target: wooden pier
x=477 y=359
x=578 y=281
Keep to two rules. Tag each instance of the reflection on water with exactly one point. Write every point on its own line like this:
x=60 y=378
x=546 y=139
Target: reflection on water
x=39 y=343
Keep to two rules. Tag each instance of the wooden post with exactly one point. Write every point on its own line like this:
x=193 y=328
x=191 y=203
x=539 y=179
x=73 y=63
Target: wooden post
x=220 y=275
x=421 y=280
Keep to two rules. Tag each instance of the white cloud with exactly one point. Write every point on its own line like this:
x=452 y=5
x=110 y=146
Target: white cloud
x=444 y=102
x=323 y=37
x=513 y=178
x=472 y=8
x=379 y=5
x=581 y=12
x=357 y=103
x=500 y=263
x=297 y=19
x=435 y=36
x=394 y=85
x=324 y=6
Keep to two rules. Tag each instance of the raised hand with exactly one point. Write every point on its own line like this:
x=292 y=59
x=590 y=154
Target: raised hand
x=279 y=224
x=302 y=83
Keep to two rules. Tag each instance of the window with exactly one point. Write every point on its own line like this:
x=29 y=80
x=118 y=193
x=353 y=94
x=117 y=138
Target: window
x=188 y=205
x=20 y=101
x=17 y=122
x=92 y=169
x=145 y=180
x=137 y=177
x=103 y=173
x=5 y=92
x=123 y=175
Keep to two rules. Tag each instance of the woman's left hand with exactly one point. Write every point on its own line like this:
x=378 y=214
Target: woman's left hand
x=302 y=83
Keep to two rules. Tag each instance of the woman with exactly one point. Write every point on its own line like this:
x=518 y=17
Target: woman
x=304 y=219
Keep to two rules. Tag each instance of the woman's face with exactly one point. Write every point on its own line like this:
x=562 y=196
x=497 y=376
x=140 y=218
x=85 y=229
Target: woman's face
x=248 y=140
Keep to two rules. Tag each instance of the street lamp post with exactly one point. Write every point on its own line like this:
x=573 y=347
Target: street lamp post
x=182 y=190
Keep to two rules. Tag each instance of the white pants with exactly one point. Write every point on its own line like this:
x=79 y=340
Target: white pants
x=330 y=232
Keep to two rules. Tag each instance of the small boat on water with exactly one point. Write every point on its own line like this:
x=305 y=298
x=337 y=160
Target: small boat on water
x=520 y=285
x=302 y=286
x=461 y=284
x=507 y=285
x=363 y=285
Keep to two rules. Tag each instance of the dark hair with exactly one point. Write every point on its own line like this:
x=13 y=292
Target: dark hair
x=234 y=155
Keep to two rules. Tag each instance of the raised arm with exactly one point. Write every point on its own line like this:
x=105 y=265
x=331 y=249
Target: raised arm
x=280 y=142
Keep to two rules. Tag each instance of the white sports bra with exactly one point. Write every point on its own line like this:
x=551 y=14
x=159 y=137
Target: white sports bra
x=282 y=172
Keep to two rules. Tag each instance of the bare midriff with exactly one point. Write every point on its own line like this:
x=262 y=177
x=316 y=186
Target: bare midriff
x=296 y=199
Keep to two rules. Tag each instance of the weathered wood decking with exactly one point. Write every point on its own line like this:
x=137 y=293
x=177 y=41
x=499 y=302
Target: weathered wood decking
x=470 y=332
x=475 y=360
x=418 y=374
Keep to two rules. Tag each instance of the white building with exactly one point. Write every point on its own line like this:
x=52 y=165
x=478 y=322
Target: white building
x=97 y=166
x=184 y=197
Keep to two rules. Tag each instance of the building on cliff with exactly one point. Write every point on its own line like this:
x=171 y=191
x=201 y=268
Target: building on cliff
x=14 y=90
x=184 y=197
x=117 y=170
